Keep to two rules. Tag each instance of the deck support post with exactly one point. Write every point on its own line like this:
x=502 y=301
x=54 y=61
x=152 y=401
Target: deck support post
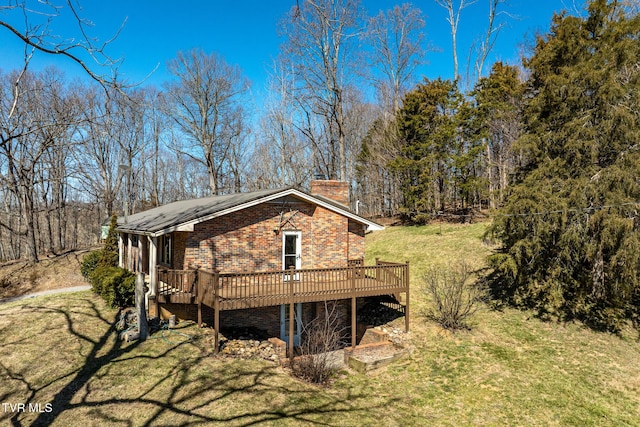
x=353 y=308
x=198 y=295
x=292 y=313
x=406 y=307
x=216 y=309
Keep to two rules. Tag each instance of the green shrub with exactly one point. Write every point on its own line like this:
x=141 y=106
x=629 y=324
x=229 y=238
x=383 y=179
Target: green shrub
x=115 y=285
x=105 y=257
x=89 y=264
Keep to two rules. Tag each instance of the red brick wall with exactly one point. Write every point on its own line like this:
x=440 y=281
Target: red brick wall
x=179 y=243
x=265 y=318
x=245 y=241
x=356 y=240
x=332 y=189
x=330 y=239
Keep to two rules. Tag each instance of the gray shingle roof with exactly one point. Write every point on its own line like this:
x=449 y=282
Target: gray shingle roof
x=176 y=213
x=169 y=217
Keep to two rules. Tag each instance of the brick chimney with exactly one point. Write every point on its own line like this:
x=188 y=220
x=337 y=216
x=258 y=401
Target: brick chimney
x=335 y=190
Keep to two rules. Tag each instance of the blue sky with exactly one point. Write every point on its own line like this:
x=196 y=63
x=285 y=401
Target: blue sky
x=245 y=33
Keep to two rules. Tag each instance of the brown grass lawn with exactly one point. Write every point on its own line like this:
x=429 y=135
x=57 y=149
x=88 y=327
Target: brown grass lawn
x=61 y=271
x=509 y=369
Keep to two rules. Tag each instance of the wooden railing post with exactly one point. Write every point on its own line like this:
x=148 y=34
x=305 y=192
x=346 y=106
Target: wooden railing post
x=216 y=309
x=406 y=307
x=197 y=294
x=353 y=308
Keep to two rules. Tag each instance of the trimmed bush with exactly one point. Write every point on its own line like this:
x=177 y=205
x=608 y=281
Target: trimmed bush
x=115 y=285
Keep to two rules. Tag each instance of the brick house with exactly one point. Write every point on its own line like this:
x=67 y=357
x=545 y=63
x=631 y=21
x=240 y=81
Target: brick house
x=257 y=259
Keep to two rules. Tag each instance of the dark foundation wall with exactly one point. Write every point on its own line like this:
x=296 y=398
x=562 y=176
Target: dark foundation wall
x=264 y=319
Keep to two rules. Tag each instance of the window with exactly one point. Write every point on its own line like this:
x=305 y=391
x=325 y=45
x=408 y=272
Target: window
x=166 y=249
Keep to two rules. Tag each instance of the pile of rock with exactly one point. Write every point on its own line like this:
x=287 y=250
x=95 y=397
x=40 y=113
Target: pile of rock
x=395 y=335
x=248 y=348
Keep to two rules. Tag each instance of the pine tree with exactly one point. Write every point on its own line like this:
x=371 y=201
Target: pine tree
x=570 y=224
x=109 y=255
x=497 y=122
x=436 y=165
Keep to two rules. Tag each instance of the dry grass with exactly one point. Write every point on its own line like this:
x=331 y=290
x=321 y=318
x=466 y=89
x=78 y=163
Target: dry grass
x=510 y=369
x=22 y=277
x=62 y=351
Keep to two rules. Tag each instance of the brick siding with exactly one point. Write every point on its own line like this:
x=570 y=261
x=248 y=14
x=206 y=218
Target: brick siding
x=356 y=240
x=251 y=240
x=267 y=319
x=331 y=189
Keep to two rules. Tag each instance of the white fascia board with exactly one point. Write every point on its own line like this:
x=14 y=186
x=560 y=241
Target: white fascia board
x=137 y=232
x=189 y=225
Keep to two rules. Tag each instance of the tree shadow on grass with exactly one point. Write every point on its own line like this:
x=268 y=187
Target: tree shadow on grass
x=186 y=386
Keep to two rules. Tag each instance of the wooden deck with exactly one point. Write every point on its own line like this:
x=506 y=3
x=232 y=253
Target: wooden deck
x=251 y=290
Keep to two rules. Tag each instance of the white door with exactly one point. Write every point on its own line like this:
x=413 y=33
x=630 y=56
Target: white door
x=291 y=251
x=291 y=257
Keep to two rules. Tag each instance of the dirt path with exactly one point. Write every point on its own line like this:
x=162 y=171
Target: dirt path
x=25 y=279
x=49 y=292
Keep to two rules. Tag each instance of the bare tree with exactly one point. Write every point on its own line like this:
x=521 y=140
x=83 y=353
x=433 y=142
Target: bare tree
x=454 y=8
x=320 y=41
x=206 y=104
x=55 y=170
x=631 y=7
x=32 y=22
x=487 y=42
x=396 y=38
x=282 y=156
x=454 y=297
x=34 y=124
x=322 y=336
x=33 y=133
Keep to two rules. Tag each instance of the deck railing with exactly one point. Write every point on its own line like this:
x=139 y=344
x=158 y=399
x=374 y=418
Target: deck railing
x=259 y=289
x=180 y=285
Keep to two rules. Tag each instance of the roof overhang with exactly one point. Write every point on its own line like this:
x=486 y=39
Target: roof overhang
x=189 y=225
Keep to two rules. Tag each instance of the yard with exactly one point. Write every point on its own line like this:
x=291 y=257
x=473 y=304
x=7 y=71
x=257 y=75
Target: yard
x=60 y=354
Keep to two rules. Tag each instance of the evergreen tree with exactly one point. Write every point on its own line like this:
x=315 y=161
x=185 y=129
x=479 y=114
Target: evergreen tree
x=570 y=224
x=497 y=123
x=109 y=254
x=438 y=164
